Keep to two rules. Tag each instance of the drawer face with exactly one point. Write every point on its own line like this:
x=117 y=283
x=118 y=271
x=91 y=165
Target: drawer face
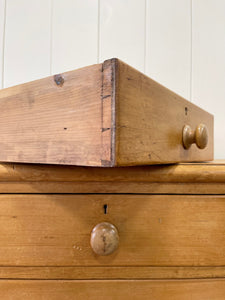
x=154 y=230
x=113 y=289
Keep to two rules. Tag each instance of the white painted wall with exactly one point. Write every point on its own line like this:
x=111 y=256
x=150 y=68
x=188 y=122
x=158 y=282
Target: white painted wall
x=179 y=43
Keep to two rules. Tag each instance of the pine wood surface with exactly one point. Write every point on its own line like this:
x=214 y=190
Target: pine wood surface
x=71 y=187
x=113 y=289
x=112 y=272
x=154 y=230
x=44 y=122
x=150 y=119
x=107 y=114
x=210 y=172
x=191 y=178
x=170 y=246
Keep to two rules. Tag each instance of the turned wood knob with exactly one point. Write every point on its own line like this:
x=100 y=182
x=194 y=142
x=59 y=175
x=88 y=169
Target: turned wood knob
x=199 y=136
x=104 y=239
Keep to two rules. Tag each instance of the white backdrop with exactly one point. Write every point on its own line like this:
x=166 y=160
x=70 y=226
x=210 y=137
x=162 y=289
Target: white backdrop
x=179 y=43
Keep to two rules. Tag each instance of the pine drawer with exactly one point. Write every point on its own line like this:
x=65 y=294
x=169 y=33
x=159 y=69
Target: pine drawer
x=154 y=230
x=113 y=289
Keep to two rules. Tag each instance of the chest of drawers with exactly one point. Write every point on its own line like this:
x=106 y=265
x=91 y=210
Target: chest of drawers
x=170 y=222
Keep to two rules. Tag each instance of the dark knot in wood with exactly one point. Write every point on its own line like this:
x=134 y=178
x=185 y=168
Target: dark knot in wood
x=59 y=80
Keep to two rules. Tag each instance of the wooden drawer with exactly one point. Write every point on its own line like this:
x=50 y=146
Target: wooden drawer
x=113 y=289
x=154 y=230
x=107 y=114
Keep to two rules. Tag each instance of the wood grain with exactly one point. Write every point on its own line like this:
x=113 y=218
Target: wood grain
x=213 y=172
x=107 y=114
x=150 y=120
x=195 y=178
x=154 y=230
x=112 y=272
x=55 y=120
x=113 y=289
x=109 y=187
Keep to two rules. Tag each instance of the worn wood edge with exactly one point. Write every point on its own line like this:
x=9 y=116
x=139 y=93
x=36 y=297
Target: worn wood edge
x=106 y=114
x=117 y=111
x=108 y=94
x=49 y=187
x=178 y=173
x=115 y=73
x=99 y=272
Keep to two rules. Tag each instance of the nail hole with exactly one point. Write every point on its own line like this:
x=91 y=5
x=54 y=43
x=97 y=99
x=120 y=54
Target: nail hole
x=65 y=128
x=105 y=207
x=186 y=110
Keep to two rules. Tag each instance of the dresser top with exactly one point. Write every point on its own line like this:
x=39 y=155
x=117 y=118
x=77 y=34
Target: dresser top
x=186 y=172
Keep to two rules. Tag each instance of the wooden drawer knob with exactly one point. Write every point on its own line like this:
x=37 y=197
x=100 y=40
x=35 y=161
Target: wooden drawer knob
x=199 y=136
x=104 y=239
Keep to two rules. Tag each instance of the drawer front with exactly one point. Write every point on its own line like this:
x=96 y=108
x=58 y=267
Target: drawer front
x=153 y=230
x=113 y=289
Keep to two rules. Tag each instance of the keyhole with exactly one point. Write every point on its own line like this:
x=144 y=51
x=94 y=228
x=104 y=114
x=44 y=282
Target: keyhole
x=186 y=110
x=105 y=207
